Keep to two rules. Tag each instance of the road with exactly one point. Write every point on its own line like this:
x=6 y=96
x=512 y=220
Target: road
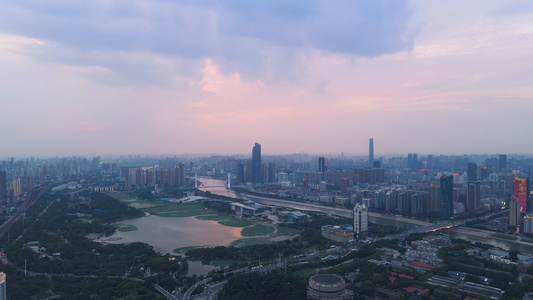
x=336 y=211
x=22 y=208
x=192 y=288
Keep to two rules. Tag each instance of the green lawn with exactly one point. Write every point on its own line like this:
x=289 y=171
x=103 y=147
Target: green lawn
x=214 y=217
x=183 y=250
x=120 y=196
x=304 y=273
x=256 y=230
x=236 y=223
x=171 y=210
x=125 y=227
x=250 y=242
x=288 y=231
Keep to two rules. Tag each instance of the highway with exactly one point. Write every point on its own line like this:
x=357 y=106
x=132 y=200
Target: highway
x=22 y=208
x=336 y=211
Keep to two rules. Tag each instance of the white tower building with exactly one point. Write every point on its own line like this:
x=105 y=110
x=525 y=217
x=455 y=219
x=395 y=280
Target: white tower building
x=360 y=220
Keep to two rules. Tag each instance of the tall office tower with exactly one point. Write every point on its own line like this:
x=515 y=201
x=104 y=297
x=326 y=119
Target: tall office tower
x=248 y=175
x=256 y=164
x=182 y=174
x=176 y=176
x=514 y=213
x=371 y=152
x=410 y=161
x=415 y=161
x=503 y=163
x=3 y=295
x=521 y=193
x=271 y=172
x=473 y=199
x=240 y=172
x=321 y=164
x=472 y=172
x=360 y=220
x=435 y=197
x=446 y=202
x=3 y=183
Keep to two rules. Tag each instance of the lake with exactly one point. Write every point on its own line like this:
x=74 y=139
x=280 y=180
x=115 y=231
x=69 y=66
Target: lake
x=167 y=234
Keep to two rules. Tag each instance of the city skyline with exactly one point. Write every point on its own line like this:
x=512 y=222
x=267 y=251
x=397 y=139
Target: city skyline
x=113 y=78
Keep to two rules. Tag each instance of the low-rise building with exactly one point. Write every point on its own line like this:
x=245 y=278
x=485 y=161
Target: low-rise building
x=292 y=216
x=340 y=234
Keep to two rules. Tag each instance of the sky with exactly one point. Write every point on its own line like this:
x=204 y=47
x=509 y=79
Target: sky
x=321 y=77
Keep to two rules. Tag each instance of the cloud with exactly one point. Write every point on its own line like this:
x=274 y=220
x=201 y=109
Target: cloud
x=520 y=7
x=266 y=40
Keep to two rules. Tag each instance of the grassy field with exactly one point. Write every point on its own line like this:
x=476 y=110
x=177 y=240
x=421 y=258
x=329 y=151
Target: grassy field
x=214 y=217
x=183 y=250
x=304 y=273
x=120 y=196
x=171 y=210
x=236 y=223
x=125 y=227
x=249 y=242
x=256 y=230
x=288 y=231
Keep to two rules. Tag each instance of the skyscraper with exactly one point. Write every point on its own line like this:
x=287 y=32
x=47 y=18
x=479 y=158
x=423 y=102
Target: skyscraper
x=473 y=199
x=321 y=164
x=3 y=183
x=521 y=193
x=503 y=163
x=371 y=152
x=256 y=164
x=472 y=172
x=446 y=190
x=360 y=220
x=514 y=213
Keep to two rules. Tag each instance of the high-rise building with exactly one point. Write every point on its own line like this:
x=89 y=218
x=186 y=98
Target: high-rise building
x=434 y=197
x=473 y=199
x=446 y=190
x=528 y=223
x=256 y=164
x=521 y=193
x=503 y=162
x=514 y=213
x=271 y=172
x=472 y=172
x=240 y=172
x=371 y=152
x=360 y=220
x=321 y=164
x=3 y=183
x=3 y=295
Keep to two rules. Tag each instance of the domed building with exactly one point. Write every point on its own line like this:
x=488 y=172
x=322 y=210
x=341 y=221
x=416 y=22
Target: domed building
x=327 y=287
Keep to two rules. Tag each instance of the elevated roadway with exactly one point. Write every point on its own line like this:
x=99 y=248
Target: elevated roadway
x=335 y=211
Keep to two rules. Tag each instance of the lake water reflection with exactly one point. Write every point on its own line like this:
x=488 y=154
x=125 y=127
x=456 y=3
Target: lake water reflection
x=167 y=234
